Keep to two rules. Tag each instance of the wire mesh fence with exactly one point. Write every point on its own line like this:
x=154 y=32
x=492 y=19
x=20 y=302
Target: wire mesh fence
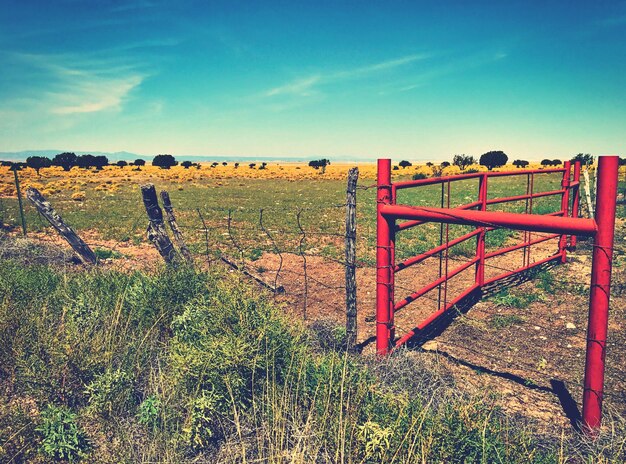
x=300 y=247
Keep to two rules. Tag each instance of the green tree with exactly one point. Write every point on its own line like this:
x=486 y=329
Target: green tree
x=164 y=161
x=38 y=162
x=66 y=160
x=186 y=164
x=584 y=158
x=100 y=161
x=520 y=163
x=404 y=164
x=493 y=159
x=463 y=161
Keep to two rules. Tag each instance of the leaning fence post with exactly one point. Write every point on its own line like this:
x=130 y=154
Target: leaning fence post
x=383 y=260
x=171 y=219
x=45 y=209
x=351 y=304
x=602 y=260
x=156 y=229
x=19 y=201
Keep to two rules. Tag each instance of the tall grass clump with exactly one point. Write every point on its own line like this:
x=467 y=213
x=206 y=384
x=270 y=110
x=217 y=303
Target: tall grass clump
x=190 y=366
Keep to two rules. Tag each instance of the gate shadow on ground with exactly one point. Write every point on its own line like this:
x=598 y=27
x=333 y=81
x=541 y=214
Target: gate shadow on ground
x=557 y=388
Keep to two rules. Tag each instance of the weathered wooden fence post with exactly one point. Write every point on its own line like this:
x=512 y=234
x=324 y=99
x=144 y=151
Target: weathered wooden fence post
x=46 y=210
x=350 y=265
x=588 y=193
x=171 y=219
x=19 y=201
x=156 y=229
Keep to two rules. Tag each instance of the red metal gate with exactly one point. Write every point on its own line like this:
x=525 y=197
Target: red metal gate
x=564 y=223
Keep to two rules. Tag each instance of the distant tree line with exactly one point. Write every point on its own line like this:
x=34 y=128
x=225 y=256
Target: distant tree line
x=68 y=160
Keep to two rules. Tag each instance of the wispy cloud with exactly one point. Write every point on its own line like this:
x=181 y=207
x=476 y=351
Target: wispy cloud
x=416 y=80
x=301 y=87
x=306 y=86
x=80 y=84
x=95 y=94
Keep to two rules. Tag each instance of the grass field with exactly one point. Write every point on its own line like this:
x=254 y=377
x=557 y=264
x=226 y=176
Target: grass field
x=108 y=202
x=193 y=366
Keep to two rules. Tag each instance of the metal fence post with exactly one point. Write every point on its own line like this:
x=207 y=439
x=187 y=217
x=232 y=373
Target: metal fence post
x=383 y=259
x=575 y=200
x=565 y=208
x=351 y=303
x=600 y=291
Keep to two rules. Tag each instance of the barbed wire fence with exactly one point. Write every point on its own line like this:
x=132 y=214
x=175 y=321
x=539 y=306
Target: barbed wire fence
x=302 y=249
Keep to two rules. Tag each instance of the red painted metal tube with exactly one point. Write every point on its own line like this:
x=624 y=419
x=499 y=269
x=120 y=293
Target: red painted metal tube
x=502 y=251
x=565 y=209
x=430 y=319
x=531 y=222
x=600 y=290
x=525 y=268
x=419 y=258
x=575 y=185
x=383 y=258
x=422 y=291
x=408 y=224
x=495 y=201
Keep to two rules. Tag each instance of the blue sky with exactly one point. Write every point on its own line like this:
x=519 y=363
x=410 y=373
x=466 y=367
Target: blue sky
x=339 y=79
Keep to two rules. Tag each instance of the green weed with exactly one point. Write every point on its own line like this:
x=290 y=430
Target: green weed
x=62 y=439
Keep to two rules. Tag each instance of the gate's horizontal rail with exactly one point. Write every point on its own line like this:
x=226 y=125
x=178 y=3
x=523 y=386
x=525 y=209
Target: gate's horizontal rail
x=419 y=258
x=413 y=296
x=409 y=224
x=528 y=196
x=530 y=222
x=502 y=251
x=525 y=268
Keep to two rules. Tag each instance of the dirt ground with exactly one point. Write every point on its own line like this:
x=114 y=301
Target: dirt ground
x=532 y=356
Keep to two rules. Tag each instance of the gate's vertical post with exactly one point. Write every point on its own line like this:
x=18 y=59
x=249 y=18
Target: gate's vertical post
x=383 y=259
x=600 y=291
x=480 y=238
x=565 y=208
x=391 y=225
x=575 y=200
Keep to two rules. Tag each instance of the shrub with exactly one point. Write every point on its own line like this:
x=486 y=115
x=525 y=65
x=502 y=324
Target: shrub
x=149 y=413
x=62 y=438
x=79 y=196
x=418 y=176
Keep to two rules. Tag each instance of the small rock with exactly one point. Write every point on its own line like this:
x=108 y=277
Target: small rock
x=569 y=346
x=543 y=338
x=537 y=327
x=569 y=325
x=430 y=345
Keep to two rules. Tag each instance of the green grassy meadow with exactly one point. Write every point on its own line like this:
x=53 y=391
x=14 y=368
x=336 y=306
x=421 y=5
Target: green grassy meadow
x=119 y=215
